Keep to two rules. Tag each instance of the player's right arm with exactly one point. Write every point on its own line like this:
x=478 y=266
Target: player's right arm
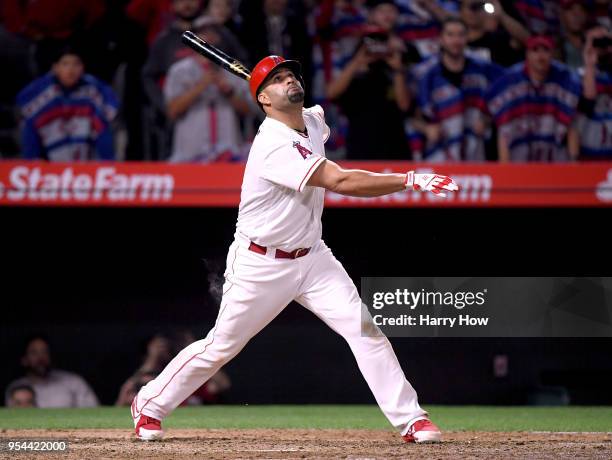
x=356 y=182
x=361 y=183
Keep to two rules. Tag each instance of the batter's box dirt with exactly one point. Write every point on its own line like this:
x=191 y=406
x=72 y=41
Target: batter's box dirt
x=300 y=444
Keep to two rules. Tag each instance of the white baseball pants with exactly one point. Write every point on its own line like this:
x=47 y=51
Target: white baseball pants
x=257 y=288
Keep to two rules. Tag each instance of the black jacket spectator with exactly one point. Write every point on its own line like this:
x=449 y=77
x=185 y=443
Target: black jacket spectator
x=271 y=27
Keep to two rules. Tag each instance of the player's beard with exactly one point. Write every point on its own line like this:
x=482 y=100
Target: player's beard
x=295 y=97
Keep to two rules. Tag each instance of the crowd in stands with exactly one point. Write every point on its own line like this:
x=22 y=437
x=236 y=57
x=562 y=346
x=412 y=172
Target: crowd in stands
x=426 y=80
x=45 y=386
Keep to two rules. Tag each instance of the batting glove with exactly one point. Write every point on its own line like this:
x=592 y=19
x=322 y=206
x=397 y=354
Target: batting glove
x=433 y=183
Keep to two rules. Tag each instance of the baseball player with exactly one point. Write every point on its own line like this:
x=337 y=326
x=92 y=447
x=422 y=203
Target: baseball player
x=278 y=256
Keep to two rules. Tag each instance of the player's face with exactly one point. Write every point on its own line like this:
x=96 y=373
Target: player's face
x=68 y=70
x=37 y=358
x=539 y=59
x=453 y=39
x=283 y=90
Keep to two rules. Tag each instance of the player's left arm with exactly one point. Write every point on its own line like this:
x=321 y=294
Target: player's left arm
x=360 y=183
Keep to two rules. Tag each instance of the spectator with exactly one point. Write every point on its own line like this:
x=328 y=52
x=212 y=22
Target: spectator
x=158 y=353
x=20 y=396
x=160 y=350
x=272 y=27
x=67 y=114
x=168 y=49
x=533 y=105
x=574 y=19
x=50 y=24
x=132 y=386
x=339 y=29
x=205 y=102
x=153 y=15
x=595 y=120
x=371 y=90
x=223 y=13
x=493 y=46
x=419 y=23
x=540 y=16
x=603 y=13
x=52 y=387
x=452 y=102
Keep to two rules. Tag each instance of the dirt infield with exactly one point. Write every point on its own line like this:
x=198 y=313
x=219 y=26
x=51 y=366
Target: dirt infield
x=300 y=444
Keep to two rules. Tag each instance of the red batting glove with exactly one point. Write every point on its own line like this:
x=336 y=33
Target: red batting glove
x=433 y=183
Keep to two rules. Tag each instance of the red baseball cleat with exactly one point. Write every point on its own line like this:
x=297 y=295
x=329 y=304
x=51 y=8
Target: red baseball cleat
x=148 y=428
x=423 y=431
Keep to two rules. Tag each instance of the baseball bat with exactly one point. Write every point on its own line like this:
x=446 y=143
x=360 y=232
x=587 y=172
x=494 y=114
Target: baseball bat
x=217 y=56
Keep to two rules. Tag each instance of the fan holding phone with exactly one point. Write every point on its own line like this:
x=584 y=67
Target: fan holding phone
x=494 y=35
x=595 y=122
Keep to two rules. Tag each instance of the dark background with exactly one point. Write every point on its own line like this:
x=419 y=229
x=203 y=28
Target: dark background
x=100 y=281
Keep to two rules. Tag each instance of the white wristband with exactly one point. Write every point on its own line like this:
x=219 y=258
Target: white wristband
x=409 y=180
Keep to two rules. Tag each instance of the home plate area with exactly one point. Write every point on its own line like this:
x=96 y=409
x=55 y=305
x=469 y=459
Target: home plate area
x=318 y=443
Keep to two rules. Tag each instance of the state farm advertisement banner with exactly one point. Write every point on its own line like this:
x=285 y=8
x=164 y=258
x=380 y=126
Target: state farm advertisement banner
x=24 y=183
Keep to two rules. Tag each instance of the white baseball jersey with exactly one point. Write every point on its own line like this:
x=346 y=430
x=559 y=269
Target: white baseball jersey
x=277 y=209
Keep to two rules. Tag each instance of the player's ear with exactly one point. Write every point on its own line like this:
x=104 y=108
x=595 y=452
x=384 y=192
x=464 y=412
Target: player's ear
x=263 y=98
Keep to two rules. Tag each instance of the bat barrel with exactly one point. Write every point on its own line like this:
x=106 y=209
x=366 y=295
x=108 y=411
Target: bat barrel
x=193 y=41
x=217 y=56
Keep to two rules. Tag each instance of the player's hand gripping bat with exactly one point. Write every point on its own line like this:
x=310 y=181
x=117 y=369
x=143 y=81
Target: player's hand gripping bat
x=215 y=55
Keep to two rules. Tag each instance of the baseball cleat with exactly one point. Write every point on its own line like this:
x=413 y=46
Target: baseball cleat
x=423 y=431
x=148 y=428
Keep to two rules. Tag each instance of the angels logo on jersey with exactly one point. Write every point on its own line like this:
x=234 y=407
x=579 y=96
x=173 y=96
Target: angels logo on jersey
x=303 y=150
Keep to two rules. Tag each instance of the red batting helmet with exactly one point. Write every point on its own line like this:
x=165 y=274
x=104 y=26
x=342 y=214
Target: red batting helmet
x=266 y=67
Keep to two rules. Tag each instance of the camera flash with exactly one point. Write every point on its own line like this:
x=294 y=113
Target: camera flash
x=489 y=8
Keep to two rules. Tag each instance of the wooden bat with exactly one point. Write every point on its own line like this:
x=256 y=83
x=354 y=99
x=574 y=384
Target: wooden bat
x=215 y=55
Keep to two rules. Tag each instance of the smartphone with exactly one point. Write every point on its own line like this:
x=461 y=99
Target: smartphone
x=602 y=42
x=376 y=46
